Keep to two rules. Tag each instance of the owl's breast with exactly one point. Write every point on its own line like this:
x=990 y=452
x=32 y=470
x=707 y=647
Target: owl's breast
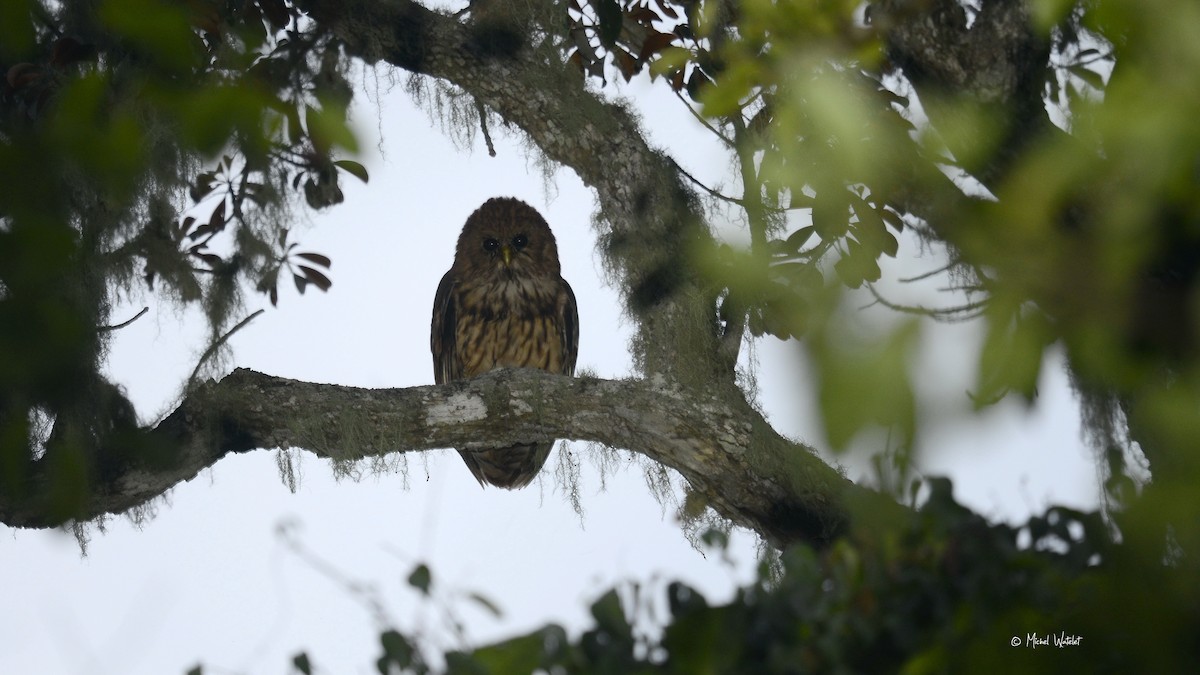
x=515 y=324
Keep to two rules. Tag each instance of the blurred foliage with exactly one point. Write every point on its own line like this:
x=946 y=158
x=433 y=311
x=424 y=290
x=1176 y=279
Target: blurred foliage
x=943 y=592
x=145 y=147
x=1068 y=203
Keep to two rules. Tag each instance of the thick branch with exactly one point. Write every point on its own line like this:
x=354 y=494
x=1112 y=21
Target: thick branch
x=996 y=65
x=795 y=498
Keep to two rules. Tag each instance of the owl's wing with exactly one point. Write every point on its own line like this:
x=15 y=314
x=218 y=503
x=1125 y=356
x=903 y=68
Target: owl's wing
x=447 y=366
x=569 y=327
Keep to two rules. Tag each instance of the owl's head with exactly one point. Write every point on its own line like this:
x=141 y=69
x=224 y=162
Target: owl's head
x=508 y=238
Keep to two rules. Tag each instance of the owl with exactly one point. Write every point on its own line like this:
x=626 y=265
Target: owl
x=504 y=304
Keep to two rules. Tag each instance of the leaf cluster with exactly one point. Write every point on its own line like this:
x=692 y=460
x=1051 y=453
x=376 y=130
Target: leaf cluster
x=944 y=591
x=110 y=113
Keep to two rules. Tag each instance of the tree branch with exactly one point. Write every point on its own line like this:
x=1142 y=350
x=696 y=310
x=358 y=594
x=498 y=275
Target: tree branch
x=796 y=497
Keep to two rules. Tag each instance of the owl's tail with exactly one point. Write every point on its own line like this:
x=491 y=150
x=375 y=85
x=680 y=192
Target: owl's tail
x=510 y=468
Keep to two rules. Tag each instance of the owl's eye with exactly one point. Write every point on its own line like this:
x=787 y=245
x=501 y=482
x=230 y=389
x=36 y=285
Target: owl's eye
x=519 y=241
x=491 y=245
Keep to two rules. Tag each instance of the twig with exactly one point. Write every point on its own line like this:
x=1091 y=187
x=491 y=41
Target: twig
x=958 y=314
x=700 y=184
x=701 y=119
x=926 y=275
x=487 y=137
x=212 y=349
x=121 y=325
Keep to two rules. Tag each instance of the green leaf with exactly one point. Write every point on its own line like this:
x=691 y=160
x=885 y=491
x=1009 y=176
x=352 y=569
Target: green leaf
x=159 y=30
x=519 y=655
x=487 y=604
x=670 y=60
x=831 y=214
x=797 y=239
x=354 y=168
x=1011 y=358
x=704 y=641
x=714 y=538
x=458 y=663
x=683 y=599
x=866 y=384
x=421 y=578
x=17 y=33
x=302 y=664
x=609 y=615
x=328 y=128
x=397 y=651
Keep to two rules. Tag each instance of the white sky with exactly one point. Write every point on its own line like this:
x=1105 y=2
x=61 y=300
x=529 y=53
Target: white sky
x=211 y=580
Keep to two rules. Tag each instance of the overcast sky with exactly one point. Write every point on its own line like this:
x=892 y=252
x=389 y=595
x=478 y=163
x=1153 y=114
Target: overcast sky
x=212 y=579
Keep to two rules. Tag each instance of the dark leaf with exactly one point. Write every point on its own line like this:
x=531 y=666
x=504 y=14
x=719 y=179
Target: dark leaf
x=211 y=259
x=643 y=15
x=697 y=82
x=199 y=232
x=202 y=187
x=714 y=538
x=217 y=222
x=421 y=578
x=354 y=168
x=609 y=14
x=181 y=230
x=301 y=283
x=893 y=219
x=677 y=80
x=576 y=60
x=1091 y=77
x=683 y=599
x=797 y=239
x=522 y=654
x=655 y=43
x=830 y=216
x=302 y=664
x=800 y=276
x=870 y=230
x=316 y=258
x=486 y=604
x=294 y=129
x=610 y=616
x=312 y=194
x=316 y=278
x=398 y=651
x=277 y=13
x=626 y=64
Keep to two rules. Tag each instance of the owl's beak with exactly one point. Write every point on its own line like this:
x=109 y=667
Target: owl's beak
x=506 y=253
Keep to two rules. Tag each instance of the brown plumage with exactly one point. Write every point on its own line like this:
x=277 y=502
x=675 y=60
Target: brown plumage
x=503 y=304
